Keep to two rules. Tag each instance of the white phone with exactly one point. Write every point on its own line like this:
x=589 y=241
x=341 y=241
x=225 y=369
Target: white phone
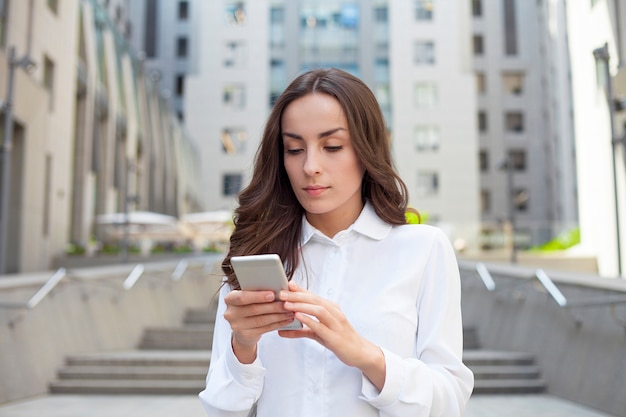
x=262 y=272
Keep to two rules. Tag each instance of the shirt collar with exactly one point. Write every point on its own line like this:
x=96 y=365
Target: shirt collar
x=368 y=224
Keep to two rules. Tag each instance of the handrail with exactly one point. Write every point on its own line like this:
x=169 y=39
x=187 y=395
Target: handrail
x=180 y=269
x=555 y=293
x=133 y=276
x=485 y=276
x=552 y=289
x=40 y=294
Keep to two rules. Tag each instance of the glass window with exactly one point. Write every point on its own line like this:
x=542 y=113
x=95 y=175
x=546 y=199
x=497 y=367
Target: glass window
x=510 y=28
x=234 y=140
x=477 y=8
x=277 y=15
x=482 y=121
x=53 y=5
x=514 y=121
x=48 y=79
x=183 y=10
x=481 y=83
x=513 y=82
x=181 y=47
x=520 y=199
x=484 y=161
x=518 y=159
x=423 y=9
x=234 y=96
x=235 y=54
x=232 y=184
x=478 y=44
x=427 y=183
x=235 y=13
x=179 y=86
x=151 y=22
x=381 y=14
x=485 y=201
x=427 y=138
x=425 y=95
x=424 y=52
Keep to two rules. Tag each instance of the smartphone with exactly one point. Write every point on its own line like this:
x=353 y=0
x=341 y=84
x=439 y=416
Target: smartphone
x=262 y=272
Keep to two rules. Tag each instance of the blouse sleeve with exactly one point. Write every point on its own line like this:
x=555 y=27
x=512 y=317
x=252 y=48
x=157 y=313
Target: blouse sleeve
x=232 y=388
x=435 y=382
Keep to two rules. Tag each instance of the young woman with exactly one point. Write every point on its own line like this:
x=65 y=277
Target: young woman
x=379 y=298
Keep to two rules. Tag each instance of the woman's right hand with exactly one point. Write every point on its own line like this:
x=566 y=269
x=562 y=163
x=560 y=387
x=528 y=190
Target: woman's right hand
x=251 y=314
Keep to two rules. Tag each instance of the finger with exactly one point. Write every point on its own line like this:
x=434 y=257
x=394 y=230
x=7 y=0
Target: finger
x=240 y=298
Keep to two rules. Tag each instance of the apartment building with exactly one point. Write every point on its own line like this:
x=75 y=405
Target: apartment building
x=408 y=53
x=89 y=131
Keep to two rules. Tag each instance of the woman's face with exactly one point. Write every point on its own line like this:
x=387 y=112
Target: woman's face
x=321 y=162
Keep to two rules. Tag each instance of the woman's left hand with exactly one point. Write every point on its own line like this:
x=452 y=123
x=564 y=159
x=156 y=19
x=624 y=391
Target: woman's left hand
x=325 y=323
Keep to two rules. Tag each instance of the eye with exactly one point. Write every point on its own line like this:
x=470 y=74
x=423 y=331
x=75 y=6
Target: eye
x=293 y=151
x=333 y=148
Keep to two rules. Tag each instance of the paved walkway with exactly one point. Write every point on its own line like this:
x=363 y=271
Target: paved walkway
x=189 y=406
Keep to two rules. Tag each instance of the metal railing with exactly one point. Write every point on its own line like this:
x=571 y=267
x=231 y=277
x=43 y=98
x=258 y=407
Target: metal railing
x=129 y=282
x=555 y=293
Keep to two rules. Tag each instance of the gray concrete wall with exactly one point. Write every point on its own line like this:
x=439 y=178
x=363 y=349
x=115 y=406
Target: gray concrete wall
x=581 y=350
x=90 y=311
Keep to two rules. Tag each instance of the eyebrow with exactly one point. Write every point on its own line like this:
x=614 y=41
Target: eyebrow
x=319 y=136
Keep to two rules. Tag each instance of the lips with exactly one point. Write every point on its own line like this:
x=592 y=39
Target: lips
x=315 y=190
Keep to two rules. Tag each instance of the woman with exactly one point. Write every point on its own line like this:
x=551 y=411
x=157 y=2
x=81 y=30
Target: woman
x=379 y=299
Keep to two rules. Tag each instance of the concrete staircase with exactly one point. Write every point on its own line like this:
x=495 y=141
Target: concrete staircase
x=500 y=372
x=168 y=361
x=174 y=360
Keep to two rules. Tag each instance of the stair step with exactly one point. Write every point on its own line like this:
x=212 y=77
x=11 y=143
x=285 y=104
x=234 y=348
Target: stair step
x=200 y=316
x=184 y=338
x=505 y=372
x=120 y=386
x=134 y=372
x=482 y=357
x=509 y=386
x=144 y=358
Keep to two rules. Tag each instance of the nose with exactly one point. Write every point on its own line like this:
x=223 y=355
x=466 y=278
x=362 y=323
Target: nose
x=312 y=165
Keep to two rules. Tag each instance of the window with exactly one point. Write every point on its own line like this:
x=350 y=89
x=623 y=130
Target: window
x=424 y=53
x=423 y=9
x=482 y=121
x=484 y=161
x=514 y=121
x=381 y=14
x=478 y=45
x=518 y=159
x=477 y=8
x=183 y=10
x=234 y=97
x=4 y=16
x=277 y=15
x=48 y=79
x=520 y=199
x=510 y=28
x=151 y=23
x=425 y=95
x=427 y=183
x=234 y=140
x=513 y=82
x=485 y=201
x=234 y=54
x=235 y=13
x=53 y=5
x=179 y=88
x=427 y=138
x=181 y=47
x=382 y=95
x=481 y=83
x=231 y=184
x=46 y=195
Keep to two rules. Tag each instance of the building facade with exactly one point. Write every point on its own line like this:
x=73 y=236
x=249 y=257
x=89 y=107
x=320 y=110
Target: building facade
x=89 y=131
x=250 y=50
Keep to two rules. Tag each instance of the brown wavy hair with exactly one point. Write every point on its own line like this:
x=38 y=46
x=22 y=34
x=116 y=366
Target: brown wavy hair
x=269 y=217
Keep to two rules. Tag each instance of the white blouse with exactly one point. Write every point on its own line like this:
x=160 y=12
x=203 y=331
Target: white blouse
x=399 y=287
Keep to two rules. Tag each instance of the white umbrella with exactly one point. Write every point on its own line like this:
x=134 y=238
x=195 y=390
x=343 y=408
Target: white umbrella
x=136 y=218
x=218 y=216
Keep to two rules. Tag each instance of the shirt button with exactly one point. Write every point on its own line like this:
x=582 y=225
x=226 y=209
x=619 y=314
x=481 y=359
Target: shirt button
x=329 y=292
x=316 y=390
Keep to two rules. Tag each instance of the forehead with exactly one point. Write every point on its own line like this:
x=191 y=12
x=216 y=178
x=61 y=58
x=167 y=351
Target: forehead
x=314 y=109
